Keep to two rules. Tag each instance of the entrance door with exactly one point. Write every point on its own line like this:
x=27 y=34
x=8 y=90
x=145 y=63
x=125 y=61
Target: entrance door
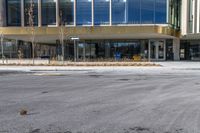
x=157 y=50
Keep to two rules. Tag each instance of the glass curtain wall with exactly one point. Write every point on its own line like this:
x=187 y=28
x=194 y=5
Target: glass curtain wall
x=13 y=12
x=27 y=6
x=101 y=12
x=148 y=11
x=118 y=11
x=48 y=12
x=161 y=11
x=139 y=11
x=134 y=11
x=67 y=11
x=175 y=13
x=83 y=12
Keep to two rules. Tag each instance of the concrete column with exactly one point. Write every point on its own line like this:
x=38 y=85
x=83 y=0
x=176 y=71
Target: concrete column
x=176 y=49
x=57 y=13
x=184 y=17
x=3 y=22
x=110 y=12
x=22 y=13
x=39 y=13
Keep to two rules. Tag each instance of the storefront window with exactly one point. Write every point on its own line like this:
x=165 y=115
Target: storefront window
x=67 y=11
x=48 y=12
x=13 y=12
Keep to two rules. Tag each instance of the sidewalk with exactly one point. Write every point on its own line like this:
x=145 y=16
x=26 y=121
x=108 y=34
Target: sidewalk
x=166 y=67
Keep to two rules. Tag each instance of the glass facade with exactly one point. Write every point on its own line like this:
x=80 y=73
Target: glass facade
x=27 y=7
x=101 y=12
x=122 y=12
x=118 y=11
x=174 y=13
x=48 y=12
x=83 y=12
x=13 y=13
x=139 y=11
x=67 y=11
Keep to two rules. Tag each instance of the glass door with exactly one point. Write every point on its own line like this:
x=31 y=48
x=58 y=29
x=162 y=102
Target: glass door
x=157 y=50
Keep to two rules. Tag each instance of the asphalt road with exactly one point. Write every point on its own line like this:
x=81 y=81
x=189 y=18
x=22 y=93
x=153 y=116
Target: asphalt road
x=100 y=102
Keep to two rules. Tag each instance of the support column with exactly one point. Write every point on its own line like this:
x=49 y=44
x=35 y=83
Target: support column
x=57 y=13
x=176 y=49
x=39 y=13
x=3 y=13
x=84 y=45
x=110 y=10
x=75 y=51
x=22 y=13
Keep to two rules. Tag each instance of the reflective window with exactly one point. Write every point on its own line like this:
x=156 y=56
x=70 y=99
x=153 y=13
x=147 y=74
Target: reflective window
x=27 y=7
x=83 y=12
x=67 y=11
x=175 y=13
x=161 y=11
x=134 y=11
x=118 y=11
x=101 y=11
x=147 y=11
x=13 y=12
x=48 y=12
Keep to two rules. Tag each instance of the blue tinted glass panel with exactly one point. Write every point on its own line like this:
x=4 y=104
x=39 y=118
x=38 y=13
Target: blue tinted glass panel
x=161 y=11
x=27 y=7
x=48 y=12
x=83 y=12
x=147 y=11
x=13 y=12
x=67 y=11
x=101 y=11
x=134 y=11
x=118 y=11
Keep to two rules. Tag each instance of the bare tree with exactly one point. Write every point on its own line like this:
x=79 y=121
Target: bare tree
x=2 y=38
x=32 y=28
x=62 y=34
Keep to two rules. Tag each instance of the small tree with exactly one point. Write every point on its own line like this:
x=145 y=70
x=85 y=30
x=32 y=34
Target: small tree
x=32 y=29
x=2 y=38
x=62 y=34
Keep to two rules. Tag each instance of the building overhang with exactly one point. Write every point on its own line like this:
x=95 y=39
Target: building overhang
x=49 y=34
x=191 y=37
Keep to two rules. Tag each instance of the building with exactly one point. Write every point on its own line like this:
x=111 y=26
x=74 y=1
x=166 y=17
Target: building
x=190 y=39
x=130 y=29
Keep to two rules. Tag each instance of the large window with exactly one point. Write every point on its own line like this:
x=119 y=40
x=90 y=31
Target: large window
x=13 y=12
x=161 y=11
x=27 y=6
x=174 y=13
x=83 y=12
x=147 y=11
x=139 y=11
x=118 y=11
x=134 y=11
x=48 y=12
x=101 y=11
x=67 y=11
